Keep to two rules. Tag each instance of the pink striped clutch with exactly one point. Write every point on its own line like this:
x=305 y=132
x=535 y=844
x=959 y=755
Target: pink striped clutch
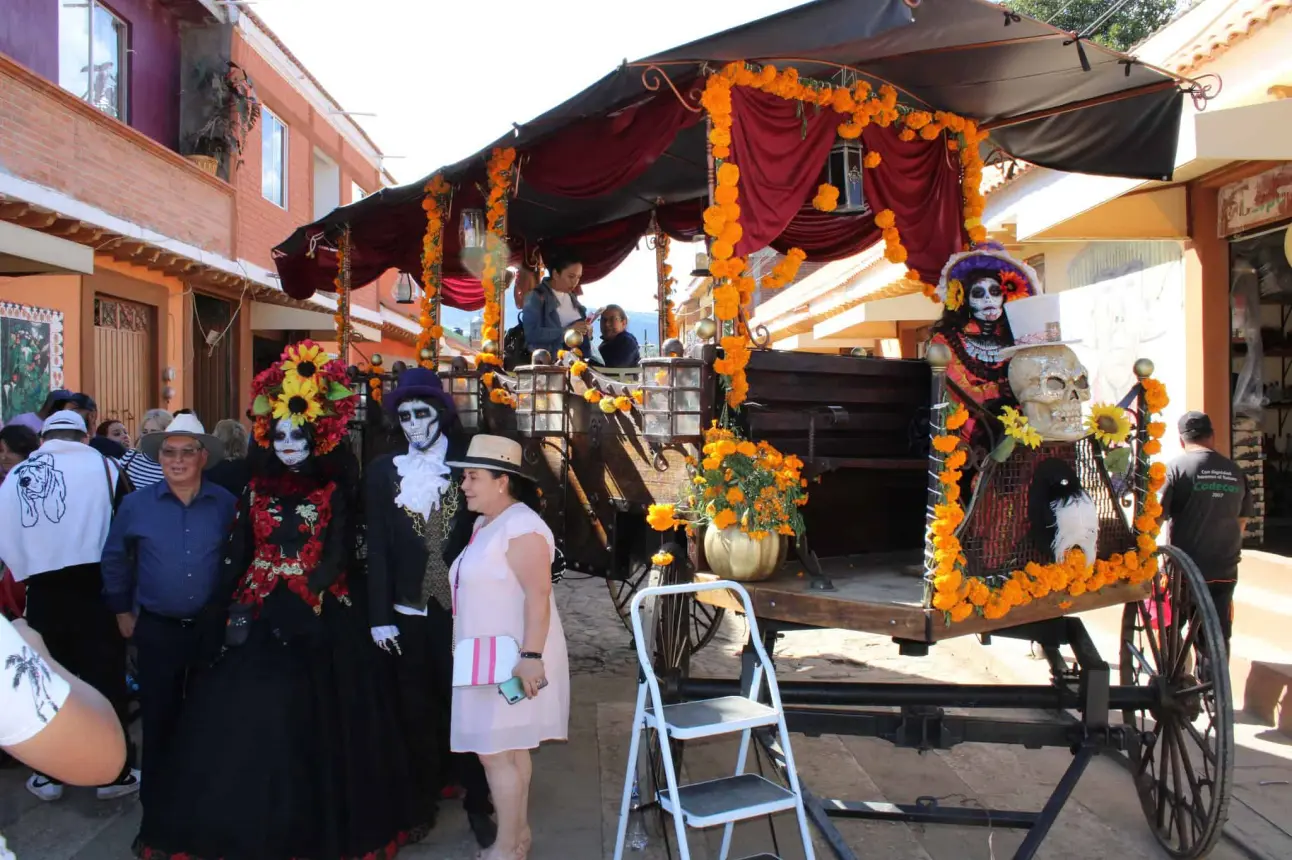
x=484 y=661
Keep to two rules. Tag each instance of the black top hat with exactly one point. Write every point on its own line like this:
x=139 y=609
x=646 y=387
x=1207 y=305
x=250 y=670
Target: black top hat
x=419 y=383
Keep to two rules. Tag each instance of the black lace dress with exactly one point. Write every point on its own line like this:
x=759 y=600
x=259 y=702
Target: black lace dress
x=289 y=745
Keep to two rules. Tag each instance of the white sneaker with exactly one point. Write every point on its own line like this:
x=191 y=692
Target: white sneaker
x=44 y=788
x=129 y=785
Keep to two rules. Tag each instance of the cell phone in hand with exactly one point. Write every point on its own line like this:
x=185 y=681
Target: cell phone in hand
x=513 y=689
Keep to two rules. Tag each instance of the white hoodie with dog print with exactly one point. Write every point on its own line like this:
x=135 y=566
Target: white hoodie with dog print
x=55 y=508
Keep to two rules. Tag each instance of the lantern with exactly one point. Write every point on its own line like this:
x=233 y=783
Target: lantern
x=463 y=386
x=844 y=171
x=701 y=269
x=472 y=229
x=672 y=399
x=405 y=289
x=540 y=399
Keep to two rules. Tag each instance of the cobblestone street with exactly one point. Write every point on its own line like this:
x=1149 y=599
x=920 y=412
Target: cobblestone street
x=576 y=785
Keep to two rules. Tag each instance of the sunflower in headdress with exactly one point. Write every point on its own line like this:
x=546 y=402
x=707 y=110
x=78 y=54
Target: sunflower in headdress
x=1014 y=285
x=298 y=401
x=306 y=387
x=303 y=360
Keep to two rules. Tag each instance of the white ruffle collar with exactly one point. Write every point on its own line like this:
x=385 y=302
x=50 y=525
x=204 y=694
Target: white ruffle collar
x=423 y=478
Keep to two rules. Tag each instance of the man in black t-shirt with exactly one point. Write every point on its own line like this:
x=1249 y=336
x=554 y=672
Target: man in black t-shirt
x=1207 y=503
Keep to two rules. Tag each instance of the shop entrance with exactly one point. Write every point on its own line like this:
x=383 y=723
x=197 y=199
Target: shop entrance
x=1261 y=379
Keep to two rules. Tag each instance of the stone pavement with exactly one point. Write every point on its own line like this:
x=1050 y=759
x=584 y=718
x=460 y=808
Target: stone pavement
x=575 y=795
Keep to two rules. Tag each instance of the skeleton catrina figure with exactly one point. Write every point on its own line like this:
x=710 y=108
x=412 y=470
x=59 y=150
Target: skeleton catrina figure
x=410 y=499
x=298 y=687
x=975 y=287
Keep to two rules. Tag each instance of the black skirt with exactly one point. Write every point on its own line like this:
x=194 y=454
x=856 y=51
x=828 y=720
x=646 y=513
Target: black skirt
x=289 y=748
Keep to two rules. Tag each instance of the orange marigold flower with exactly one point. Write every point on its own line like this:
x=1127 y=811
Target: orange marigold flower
x=661 y=518
x=945 y=444
x=872 y=159
x=735 y=496
x=957 y=419
x=724 y=519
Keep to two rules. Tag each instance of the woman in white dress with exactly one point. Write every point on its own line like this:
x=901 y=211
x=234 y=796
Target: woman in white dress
x=502 y=586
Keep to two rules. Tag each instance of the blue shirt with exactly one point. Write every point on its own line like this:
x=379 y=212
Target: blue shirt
x=163 y=554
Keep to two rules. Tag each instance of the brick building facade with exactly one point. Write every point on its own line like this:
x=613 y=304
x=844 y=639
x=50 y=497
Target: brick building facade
x=142 y=279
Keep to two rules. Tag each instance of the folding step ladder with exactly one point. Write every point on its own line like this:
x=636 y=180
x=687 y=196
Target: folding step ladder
x=729 y=799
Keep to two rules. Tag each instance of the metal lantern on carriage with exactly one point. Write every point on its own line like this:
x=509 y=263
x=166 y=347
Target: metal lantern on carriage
x=672 y=401
x=463 y=386
x=472 y=229
x=844 y=170
x=540 y=400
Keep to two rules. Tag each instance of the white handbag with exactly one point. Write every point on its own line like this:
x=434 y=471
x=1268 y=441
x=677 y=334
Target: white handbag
x=484 y=661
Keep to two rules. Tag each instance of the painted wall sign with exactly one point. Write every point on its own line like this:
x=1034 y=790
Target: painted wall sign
x=1258 y=200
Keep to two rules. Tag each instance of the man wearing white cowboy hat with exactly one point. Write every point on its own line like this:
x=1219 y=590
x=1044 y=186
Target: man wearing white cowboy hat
x=164 y=555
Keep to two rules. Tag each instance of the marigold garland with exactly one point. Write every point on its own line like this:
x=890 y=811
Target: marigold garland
x=960 y=596
x=664 y=286
x=342 y=283
x=785 y=270
x=501 y=166
x=436 y=204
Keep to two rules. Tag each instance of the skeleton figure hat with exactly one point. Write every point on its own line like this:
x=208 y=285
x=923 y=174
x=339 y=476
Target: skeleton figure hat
x=987 y=260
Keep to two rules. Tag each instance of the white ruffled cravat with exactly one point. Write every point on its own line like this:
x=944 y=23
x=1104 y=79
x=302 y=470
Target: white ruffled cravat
x=423 y=478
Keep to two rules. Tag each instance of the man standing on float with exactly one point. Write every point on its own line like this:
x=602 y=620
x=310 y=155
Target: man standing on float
x=410 y=499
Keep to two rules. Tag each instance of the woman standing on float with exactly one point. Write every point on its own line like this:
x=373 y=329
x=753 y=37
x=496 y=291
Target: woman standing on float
x=289 y=745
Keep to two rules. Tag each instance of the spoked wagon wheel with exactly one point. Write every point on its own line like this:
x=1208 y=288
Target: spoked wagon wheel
x=1184 y=763
x=704 y=619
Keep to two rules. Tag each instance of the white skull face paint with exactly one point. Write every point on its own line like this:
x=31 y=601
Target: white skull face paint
x=986 y=299
x=291 y=445
x=420 y=423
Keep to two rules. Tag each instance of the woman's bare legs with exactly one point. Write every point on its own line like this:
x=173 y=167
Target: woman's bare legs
x=525 y=769
x=509 y=785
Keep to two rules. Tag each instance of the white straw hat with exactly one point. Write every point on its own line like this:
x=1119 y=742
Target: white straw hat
x=493 y=452
x=184 y=425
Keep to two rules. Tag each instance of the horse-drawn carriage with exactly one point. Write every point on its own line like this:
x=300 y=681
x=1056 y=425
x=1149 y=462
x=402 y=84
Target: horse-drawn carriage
x=945 y=496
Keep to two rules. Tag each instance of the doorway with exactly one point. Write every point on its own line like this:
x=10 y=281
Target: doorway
x=214 y=344
x=125 y=355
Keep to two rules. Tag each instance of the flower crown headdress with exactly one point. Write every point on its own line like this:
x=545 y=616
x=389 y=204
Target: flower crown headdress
x=307 y=388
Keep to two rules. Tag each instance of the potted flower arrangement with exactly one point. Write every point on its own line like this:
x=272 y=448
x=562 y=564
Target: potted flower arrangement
x=233 y=111
x=749 y=498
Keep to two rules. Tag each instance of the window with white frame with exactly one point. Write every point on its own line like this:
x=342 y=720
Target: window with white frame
x=273 y=158
x=92 y=55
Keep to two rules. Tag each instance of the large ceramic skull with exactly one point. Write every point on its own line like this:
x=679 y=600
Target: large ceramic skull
x=1051 y=384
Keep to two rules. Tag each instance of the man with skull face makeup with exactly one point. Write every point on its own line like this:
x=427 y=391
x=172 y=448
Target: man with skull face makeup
x=289 y=745
x=410 y=499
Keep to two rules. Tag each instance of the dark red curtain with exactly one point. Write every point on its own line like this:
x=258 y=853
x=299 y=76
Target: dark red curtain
x=780 y=146
x=604 y=153
x=920 y=181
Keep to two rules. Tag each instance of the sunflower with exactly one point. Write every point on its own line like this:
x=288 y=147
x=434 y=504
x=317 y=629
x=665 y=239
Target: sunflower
x=298 y=401
x=955 y=294
x=304 y=360
x=1017 y=428
x=1108 y=424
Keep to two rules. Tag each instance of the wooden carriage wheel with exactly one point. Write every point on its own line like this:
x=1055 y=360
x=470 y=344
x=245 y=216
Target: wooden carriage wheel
x=1184 y=764
x=703 y=619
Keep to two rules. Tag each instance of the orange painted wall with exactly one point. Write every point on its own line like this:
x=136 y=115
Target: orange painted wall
x=60 y=293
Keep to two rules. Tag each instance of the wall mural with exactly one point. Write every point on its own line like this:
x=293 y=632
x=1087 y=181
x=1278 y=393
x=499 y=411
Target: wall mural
x=1126 y=301
x=31 y=357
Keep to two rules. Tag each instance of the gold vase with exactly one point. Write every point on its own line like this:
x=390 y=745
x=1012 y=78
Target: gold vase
x=734 y=555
